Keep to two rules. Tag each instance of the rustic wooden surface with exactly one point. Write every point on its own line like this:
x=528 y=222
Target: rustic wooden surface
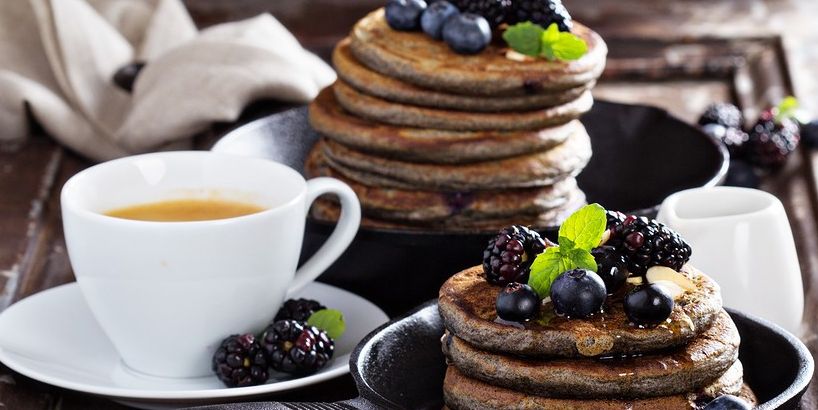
x=32 y=251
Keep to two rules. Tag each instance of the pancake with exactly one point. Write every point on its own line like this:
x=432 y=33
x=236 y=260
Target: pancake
x=525 y=171
x=428 y=145
x=416 y=59
x=325 y=210
x=374 y=83
x=467 y=303
x=685 y=369
x=463 y=393
x=388 y=112
x=432 y=206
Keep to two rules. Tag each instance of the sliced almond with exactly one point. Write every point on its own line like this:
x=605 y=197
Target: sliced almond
x=658 y=274
x=515 y=56
x=634 y=280
x=605 y=237
x=674 y=290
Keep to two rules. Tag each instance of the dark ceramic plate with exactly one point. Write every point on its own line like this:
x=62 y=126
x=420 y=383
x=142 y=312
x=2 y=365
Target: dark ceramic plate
x=400 y=365
x=641 y=155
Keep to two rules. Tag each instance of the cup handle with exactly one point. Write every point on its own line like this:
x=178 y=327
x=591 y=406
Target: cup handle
x=341 y=237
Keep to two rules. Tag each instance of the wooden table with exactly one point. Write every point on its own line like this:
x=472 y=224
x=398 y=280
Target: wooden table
x=32 y=249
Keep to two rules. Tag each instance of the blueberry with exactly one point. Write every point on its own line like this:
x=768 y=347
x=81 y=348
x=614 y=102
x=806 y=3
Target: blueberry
x=404 y=15
x=467 y=33
x=433 y=18
x=517 y=302
x=727 y=402
x=809 y=134
x=742 y=174
x=648 y=305
x=612 y=267
x=578 y=293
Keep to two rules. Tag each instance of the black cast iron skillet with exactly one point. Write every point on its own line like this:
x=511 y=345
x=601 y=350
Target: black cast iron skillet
x=400 y=366
x=641 y=155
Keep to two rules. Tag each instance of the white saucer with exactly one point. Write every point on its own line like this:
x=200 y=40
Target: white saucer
x=52 y=337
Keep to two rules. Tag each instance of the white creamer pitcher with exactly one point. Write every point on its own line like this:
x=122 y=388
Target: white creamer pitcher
x=742 y=238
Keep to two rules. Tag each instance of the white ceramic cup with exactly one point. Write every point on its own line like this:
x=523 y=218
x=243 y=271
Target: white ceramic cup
x=167 y=293
x=742 y=238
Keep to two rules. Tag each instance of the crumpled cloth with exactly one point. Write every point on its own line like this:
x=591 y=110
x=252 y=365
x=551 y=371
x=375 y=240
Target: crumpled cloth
x=58 y=58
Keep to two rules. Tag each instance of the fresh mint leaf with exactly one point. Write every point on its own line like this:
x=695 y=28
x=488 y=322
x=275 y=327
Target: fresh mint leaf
x=551 y=34
x=524 y=38
x=585 y=227
x=580 y=233
x=545 y=270
x=786 y=108
x=582 y=259
x=330 y=321
x=558 y=45
x=566 y=244
x=569 y=47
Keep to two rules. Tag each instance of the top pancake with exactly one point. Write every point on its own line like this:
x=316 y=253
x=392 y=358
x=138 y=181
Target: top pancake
x=417 y=59
x=467 y=305
x=374 y=83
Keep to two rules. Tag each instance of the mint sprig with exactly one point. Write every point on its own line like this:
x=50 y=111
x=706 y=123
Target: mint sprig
x=330 y=321
x=551 y=43
x=525 y=38
x=787 y=108
x=580 y=233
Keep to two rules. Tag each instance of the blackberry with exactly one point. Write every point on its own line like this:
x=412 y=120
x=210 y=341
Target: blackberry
x=612 y=267
x=615 y=218
x=646 y=243
x=542 y=12
x=296 y=348
x=510 y=253
x=298 y=309
x=724 y=114
x=772 y=141
x=239 y=361
x=494 y=11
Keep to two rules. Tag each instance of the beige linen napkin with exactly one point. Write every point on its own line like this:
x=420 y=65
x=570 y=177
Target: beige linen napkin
x=58 y=57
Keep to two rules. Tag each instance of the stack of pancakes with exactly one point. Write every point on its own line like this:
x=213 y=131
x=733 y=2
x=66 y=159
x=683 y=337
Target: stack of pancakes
x=429 y=138
x=599 y=363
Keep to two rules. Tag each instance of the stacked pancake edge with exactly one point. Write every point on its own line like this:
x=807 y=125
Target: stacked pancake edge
x=432 y=140
x=600 y=363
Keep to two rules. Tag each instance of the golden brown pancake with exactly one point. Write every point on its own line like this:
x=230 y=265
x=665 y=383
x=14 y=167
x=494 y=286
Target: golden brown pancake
x=464 y=393
x=467 y=305
x=687 y=368
x=414 y=58
x=374 y=83
x=431 y=206
x=525 y=171
x=388 y=112
x=429 y=145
